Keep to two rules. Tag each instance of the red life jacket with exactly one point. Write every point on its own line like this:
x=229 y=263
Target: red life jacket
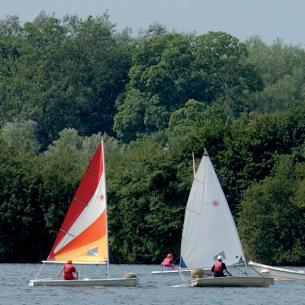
x=168 y=262
x=68 y=272
x=218 y=267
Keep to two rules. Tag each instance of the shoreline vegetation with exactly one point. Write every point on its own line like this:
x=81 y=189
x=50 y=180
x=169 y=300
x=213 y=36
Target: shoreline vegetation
x=156 y=98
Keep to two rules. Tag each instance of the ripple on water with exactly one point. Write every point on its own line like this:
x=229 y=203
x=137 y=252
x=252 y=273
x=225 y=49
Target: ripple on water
x=152 y=289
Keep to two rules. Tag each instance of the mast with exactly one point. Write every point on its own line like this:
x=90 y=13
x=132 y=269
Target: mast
x=194 y=167
x=106 y=211
x=180 y=258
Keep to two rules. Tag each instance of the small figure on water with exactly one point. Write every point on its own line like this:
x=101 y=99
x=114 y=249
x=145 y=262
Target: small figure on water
x=69 y=271
x=168 y=263
x=219 y=267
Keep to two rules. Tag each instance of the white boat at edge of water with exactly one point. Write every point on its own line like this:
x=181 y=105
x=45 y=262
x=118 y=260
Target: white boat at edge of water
x=77 y=239
x=278 y=273
x=209 y=230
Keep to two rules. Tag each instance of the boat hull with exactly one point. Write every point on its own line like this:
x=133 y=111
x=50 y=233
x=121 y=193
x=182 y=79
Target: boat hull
x=183 y=271
x=171 y=272
x=278 y=273
x=232 y=281
x=163 y=272
x=125 y=282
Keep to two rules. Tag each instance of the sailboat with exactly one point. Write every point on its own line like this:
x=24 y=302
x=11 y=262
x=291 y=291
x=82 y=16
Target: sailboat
x=209 y=231
x=278 y=273
x=83 y=236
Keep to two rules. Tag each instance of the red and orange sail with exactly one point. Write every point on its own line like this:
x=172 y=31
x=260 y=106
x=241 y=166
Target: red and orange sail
x=83 y=235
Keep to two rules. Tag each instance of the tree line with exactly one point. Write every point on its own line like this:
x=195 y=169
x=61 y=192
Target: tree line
x=156 y=98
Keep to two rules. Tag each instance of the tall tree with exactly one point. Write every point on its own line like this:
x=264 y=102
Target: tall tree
x=267 y=232
x=64 y=73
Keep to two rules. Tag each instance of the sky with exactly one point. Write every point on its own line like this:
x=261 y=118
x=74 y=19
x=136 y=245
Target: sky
x=269 y=19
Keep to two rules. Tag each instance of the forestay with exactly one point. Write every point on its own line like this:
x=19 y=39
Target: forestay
x=209 y=229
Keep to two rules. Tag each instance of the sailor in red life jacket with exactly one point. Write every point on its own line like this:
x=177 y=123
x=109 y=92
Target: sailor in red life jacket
x=70 y=272
x=219 y=267
x=168 y=263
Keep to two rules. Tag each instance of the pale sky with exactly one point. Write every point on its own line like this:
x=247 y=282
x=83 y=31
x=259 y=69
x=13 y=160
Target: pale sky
x=269 y=19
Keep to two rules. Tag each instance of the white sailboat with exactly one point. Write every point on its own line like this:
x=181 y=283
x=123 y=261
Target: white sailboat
x=278 y=273
x=209 y=231
x=83 y=236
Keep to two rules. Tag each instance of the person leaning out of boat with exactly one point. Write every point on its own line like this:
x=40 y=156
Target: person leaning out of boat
x=168 y=263
x=219 y=267
x=69 y=271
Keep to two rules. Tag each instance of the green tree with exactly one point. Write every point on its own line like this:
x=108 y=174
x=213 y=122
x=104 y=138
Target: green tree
x=22 y=229
x=63 y=73
x=282 y=70
x=275 y=61
x=160 y=73
x=264 y=222
x=138 y=115
x=146 y=204
x=21 y=135
x=222 y=62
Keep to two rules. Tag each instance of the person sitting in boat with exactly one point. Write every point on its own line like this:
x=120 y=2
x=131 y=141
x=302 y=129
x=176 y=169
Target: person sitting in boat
x=70 y=272
x=219 y=267
x=168 y=263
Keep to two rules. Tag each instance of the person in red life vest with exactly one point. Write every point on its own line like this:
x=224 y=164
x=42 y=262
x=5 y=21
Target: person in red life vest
x=70 y=272
x=168 y=263
x=219 y=267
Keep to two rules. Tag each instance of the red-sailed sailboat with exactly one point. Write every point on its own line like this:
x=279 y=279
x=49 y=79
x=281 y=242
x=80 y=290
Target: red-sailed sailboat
x=83 y=236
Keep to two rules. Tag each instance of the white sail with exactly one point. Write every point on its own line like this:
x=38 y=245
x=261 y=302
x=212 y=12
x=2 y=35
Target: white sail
x=209 y=229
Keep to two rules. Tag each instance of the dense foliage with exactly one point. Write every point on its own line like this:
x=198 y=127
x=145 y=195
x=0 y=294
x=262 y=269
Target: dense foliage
x=156 y=98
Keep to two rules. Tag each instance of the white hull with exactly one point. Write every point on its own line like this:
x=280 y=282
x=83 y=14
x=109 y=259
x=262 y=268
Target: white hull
x=232 y=281
x=171 y=272
x=183 y=271
x=126 y=282
x=278 y=273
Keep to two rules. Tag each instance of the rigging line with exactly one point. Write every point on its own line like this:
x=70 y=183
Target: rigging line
x=39 y=271
x=199 y=181
x=62 y=230
x=192 y=211
x=80 y=202
x=189 y=241
x=89 y=169
x=182 y=277
x=237 y=267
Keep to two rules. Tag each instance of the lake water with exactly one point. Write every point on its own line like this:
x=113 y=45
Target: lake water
x=152 y=289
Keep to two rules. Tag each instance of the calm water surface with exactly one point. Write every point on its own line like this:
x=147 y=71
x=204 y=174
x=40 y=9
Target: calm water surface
x=152 y=289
